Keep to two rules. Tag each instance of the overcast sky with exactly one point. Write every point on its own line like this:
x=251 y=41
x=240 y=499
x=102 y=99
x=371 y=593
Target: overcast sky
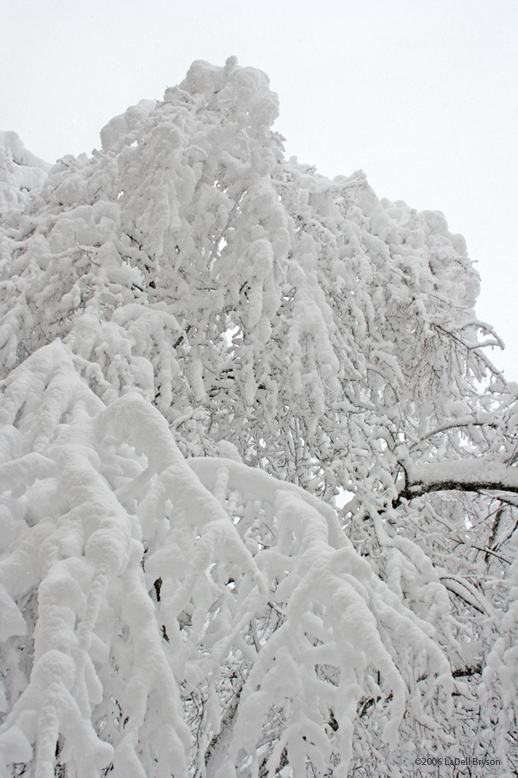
x=420 y=94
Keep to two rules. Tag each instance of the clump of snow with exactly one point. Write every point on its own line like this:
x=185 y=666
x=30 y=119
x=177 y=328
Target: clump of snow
x=20 y=172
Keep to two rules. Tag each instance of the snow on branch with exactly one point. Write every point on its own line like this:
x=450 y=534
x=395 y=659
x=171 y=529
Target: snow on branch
x=474 y=474
x=114 y=672
x=204 y=349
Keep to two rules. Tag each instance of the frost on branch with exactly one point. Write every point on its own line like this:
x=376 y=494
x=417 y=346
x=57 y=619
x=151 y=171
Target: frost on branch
x=202 y=345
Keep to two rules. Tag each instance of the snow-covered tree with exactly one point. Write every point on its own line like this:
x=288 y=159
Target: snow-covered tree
x=258 y=474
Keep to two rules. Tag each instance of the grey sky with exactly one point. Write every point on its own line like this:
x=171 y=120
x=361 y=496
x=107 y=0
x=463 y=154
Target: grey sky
x=421 y=94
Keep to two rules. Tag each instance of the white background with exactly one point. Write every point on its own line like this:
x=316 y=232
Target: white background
x=421 y=94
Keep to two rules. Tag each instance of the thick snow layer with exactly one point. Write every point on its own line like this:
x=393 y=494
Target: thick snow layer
x=476 y=473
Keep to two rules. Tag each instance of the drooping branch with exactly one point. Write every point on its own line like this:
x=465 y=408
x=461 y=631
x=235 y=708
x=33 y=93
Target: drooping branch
x=469 y=421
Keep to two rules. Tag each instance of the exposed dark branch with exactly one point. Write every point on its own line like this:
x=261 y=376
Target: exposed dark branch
x=466 y=672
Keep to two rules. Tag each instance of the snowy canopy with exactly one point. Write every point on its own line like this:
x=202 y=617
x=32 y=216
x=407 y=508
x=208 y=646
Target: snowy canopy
x=203 y=346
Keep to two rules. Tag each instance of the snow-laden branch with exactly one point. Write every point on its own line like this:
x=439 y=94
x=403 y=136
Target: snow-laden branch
x=110 y=512
x=475 y=474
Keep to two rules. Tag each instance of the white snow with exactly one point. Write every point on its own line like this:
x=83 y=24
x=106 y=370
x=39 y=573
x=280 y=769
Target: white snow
x=20 y=172
x=202 y=346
